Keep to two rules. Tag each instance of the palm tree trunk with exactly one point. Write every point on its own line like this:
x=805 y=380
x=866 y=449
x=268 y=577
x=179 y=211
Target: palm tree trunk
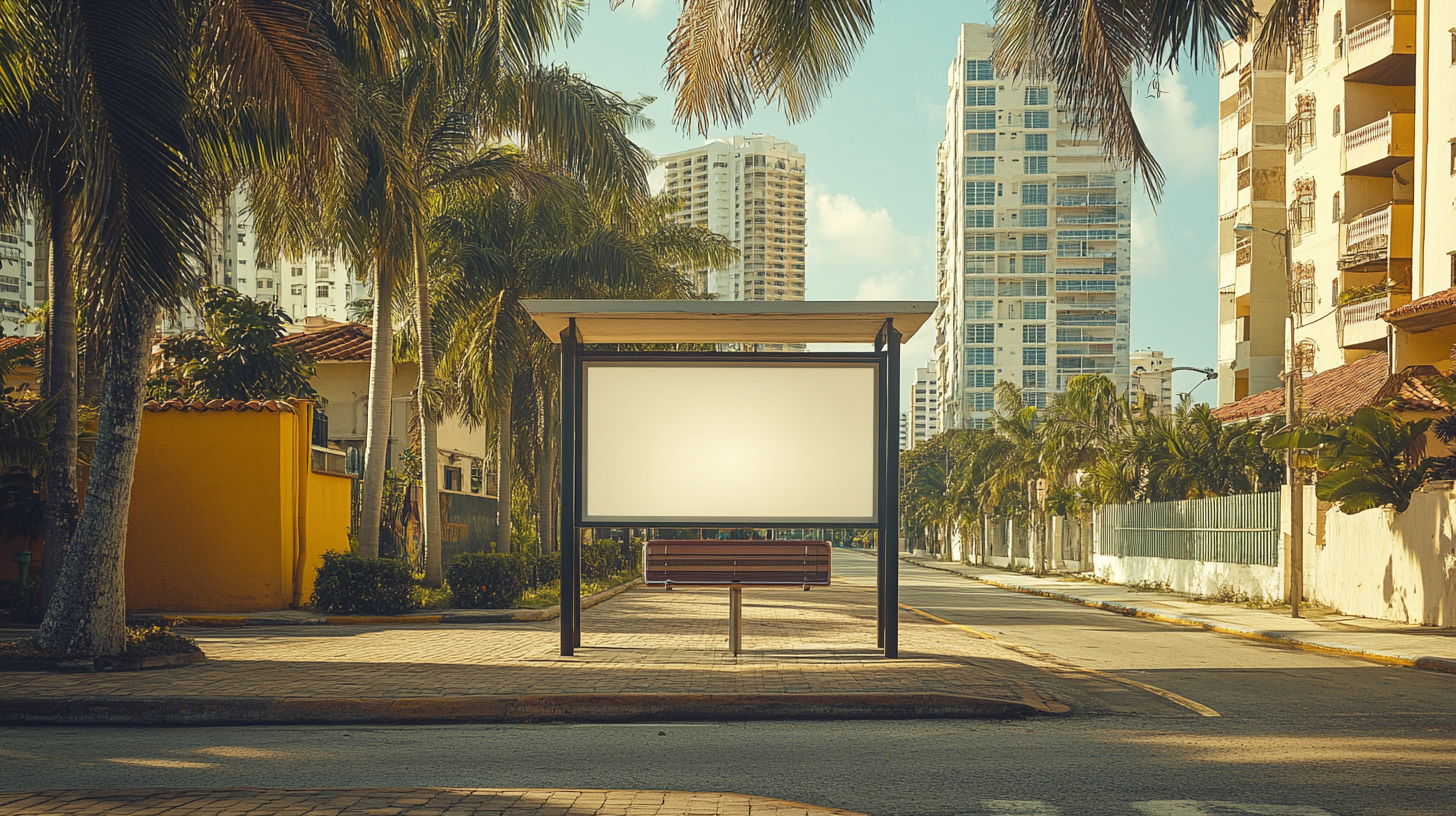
x=87 y=615
x=429 y=433
x=60 y=379
x=381 y=404
x=546 y=472
x=504 y=465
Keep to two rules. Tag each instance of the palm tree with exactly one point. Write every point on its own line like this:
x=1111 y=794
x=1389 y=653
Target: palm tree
x=496 y=247
x=116 y=84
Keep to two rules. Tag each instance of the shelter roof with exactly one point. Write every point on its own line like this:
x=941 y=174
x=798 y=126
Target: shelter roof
x=728 y=321
x=338 y=342
x=187 y=406
x=1345 y=389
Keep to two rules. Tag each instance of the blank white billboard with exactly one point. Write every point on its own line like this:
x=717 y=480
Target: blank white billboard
x=743 y=443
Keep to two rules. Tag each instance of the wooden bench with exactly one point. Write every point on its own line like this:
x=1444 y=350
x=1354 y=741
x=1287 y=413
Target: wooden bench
x=736 y=564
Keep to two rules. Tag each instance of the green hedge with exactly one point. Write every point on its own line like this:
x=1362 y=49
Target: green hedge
x=488 y=580
x=354 y=585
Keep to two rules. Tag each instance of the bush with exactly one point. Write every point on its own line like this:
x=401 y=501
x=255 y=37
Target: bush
x=601 y=559
x=545 y=567
x=487 y=580
x=351 y=584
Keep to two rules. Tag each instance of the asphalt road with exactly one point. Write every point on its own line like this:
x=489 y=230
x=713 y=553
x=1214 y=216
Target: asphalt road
x=1300 y=734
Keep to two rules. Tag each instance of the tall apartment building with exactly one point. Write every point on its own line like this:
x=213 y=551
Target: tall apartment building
x=24 y=275
x=924 y=405
x=1033 y=249
x=749 y=189
x=1367 y=192
x=316 y=285
x=1150 y=380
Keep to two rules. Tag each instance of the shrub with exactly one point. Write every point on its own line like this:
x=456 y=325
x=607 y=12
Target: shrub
x=601 y=558
x=546 y=567
x=487 y=580
x=351 y=584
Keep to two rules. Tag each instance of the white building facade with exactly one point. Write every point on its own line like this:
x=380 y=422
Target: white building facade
x=24 y=275
x=749 y=189
x=1033 y=245
x=1150 y=381
x=924 y=421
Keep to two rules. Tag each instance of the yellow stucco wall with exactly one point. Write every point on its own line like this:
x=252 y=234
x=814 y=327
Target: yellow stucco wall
x=227 y=515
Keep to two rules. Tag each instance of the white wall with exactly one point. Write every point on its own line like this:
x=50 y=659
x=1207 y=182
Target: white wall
x=1205 y=578
x=1397 y=567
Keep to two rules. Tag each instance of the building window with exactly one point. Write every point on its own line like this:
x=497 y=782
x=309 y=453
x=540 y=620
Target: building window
x=979 y=71
x=981 y=96
x=321 y=291
x=296 y=271
x=980 y=333
x=1032 y=335
x=323 y=272
x=1301 y=127
x=1034 y=265
x=980 y=142
x=296 y=290
x=1301 y=209
x=1033 y=357
x=1306 y=51
x=1304 y=286
x=981 y=120
x=10 y=284
x=1338 y=35
x=1337 y=122
x=1335 y=208
x=1037 y=96
x=1034 y=242
x=980 y=219
x=980 y=264
x=1034 y=142
x=981 y=242
x=981 y=400
x=981 y=193
x=1036 y=165
x=980 y=165
x=454 y=479
x=1453 y=157
x=1334 y=291
x=1033 y=218
x=980 y=378
x=1033 y=194
x=980 y=308
x=1305 y=353
x=1035 y=310
x=981 y=356
x=1033 y=378
x=1038 y=120
x=981 y=287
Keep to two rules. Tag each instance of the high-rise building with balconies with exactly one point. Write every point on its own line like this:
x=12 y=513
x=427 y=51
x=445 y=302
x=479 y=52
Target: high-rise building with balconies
x=24 y=274
x=1033 y=243
x=749 y=189
x=924 y=405
x=1358 y=173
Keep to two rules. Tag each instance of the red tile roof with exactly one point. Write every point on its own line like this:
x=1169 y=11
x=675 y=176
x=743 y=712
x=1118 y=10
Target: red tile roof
x=1339 y=391
x=11 y=342
x=271 y=406
x=1430 y=303
x=341 y=342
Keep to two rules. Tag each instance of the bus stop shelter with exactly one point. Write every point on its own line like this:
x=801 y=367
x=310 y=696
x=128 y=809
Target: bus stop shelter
x=737 y=437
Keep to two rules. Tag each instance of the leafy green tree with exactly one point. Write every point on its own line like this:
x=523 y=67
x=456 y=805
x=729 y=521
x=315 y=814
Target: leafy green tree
x=1373 y=459
x=236 y=356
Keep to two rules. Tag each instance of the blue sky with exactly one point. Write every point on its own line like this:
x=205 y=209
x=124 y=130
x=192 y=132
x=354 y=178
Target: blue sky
x=871 y=167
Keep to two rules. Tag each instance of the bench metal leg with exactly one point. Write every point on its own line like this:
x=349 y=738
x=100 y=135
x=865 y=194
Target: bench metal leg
x=735 y=619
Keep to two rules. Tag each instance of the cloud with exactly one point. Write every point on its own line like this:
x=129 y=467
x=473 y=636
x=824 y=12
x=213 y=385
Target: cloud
x=644 y=8
x=842 y=232
x=1184 y=141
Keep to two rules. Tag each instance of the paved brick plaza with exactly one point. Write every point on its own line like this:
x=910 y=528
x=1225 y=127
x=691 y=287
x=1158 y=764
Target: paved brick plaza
x=401 y=802
x=644 y=641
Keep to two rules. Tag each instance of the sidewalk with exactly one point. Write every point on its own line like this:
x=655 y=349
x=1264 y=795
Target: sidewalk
x=395 y=801
x=1419 y=646
x=647 y=655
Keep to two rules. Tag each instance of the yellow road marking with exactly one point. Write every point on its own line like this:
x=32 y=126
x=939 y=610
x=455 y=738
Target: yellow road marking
x=1196 y=707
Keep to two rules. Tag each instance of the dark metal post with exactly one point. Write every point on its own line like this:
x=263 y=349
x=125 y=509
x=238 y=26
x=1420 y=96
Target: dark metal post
x=890 y=491
x=880 y=549
x=567 y=543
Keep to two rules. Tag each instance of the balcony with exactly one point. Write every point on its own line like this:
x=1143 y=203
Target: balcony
x=1377 y=236
x=1383 y=51
x=1226 y=270
x=1360 y=325
x=1379 y=147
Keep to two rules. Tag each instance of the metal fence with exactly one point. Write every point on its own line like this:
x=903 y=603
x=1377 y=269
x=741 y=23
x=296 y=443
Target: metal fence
x=1231 y=529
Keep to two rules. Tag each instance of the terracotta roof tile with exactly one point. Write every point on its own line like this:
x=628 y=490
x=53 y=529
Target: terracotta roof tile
x=340 y=342
x=1337 y=392
x=184 y=406
x=12 y=342
x=1429 y=303
x=1412 y=391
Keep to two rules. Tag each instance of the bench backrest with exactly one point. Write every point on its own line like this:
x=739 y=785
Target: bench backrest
x=737 y=563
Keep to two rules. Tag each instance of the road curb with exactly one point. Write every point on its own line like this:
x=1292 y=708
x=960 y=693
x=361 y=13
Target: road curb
x=1429 y=663
x=567 y=708
x=416 y=619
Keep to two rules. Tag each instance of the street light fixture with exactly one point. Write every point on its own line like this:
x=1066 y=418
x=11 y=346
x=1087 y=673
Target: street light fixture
x=1292 y=388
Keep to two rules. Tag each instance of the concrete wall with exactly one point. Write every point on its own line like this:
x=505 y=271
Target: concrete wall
x=1380 y=564
x=1205 y=578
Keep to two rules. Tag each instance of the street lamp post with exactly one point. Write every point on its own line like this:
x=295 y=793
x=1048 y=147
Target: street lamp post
x=1292 y=386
